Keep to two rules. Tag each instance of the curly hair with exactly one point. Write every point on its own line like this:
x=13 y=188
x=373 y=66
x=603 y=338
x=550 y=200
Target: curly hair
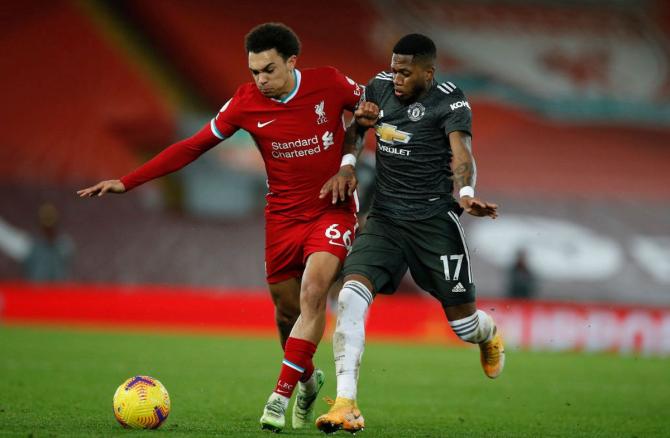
x=417 y=45
x=276 y=36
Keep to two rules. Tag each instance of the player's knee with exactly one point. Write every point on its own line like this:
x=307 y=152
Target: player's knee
x=475 y=329
x=287 y=317
x=286 y=298
x=313 y=295
x=287 y=311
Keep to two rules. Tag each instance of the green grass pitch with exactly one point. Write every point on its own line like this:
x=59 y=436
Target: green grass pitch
x=60 y=382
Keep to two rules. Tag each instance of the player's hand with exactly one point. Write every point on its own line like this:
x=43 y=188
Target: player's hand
x=366 y=114
x=341 y=185
x=111 y=186
x=479 y=208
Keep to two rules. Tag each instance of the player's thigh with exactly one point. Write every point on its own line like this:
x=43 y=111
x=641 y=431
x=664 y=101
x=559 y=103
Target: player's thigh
x=321 y=270
x=378 y=256
x=333 y=232
x=283 y=249
x=439 y=260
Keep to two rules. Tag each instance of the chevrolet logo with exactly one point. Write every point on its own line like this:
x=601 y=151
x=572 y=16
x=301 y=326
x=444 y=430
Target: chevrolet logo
x=390 y=134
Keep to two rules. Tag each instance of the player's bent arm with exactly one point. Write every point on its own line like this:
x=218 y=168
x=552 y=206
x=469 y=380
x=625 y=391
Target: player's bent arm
x=353 y=140
x=463 y=164
x=345 y=182
x=365 y=117
x=464 y=172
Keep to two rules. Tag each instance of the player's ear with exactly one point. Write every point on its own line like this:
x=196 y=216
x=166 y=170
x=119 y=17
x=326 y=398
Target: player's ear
x=291 y=61
x=429 y=73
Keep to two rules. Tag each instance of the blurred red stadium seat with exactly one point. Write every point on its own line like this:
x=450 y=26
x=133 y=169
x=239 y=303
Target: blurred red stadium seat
x=70 y=99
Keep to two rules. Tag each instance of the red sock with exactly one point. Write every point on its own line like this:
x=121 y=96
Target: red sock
x=297 y=365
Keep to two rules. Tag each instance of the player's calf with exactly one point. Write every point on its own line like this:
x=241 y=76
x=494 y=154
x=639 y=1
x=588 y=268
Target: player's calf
x=349 y=336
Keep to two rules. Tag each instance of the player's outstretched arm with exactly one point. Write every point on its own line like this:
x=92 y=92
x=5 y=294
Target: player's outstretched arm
x=345 y=182
x=171 y=159
x=464 y=172
x=109 y=186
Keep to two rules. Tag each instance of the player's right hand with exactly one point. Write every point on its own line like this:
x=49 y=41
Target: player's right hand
x=111 y=186
x=366 y=114
x=340 y=185
x=479 y=208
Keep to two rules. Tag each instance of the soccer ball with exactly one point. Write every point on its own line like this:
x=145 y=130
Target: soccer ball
x=141 y=402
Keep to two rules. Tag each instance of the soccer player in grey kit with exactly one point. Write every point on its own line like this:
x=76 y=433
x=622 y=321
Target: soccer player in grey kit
x=424 y=149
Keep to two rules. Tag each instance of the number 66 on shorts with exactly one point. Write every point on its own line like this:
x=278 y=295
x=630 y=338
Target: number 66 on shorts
x=289 y=242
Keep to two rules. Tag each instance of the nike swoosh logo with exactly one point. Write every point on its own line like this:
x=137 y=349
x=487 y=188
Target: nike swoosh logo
x=262 y=124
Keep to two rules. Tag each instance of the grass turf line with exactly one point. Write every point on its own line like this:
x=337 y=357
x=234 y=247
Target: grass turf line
x=59 y=382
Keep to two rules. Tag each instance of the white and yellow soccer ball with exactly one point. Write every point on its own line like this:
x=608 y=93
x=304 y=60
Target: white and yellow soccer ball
x=141 y=402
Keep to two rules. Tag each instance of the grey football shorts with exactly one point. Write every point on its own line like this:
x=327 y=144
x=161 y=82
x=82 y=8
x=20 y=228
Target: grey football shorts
x=434 y=250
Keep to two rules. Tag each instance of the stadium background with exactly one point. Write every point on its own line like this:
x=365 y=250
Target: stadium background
x=571 y=106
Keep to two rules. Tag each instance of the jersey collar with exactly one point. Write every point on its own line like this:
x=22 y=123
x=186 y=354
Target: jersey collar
x=294 y=91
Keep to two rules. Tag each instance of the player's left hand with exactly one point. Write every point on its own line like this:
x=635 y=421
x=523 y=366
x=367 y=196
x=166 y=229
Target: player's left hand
x=341 y=185
x=479 y=208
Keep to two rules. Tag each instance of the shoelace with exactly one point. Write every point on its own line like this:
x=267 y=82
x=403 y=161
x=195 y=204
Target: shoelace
x=276 y=407
x=356 y=413
x=492 y=353
x=331 y=402
x=303 y=401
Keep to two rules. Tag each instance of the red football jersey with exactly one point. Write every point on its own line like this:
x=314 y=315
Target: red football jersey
x=300 y=137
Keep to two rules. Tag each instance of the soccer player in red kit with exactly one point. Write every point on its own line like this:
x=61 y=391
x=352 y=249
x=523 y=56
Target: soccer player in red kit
x=296 y=119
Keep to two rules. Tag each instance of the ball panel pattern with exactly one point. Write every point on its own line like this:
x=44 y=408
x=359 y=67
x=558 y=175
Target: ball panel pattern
x=141 y=402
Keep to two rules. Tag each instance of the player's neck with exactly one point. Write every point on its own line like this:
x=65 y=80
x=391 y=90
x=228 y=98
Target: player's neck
x=290 y=86
x=426 y=90
x=420 y=95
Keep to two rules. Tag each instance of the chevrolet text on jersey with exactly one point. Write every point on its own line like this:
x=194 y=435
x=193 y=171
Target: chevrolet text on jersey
x=394 y=151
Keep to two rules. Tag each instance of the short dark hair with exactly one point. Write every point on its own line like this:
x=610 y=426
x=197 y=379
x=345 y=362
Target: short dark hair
x=276 y=36
x=417 y=45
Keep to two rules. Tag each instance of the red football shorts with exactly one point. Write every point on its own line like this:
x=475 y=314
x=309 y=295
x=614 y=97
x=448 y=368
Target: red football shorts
x=288 y=242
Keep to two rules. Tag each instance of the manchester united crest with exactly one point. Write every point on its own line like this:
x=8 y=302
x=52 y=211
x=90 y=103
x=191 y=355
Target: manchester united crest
x=416 y=111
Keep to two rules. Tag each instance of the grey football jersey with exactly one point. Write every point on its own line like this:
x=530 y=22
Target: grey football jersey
x=413 y=151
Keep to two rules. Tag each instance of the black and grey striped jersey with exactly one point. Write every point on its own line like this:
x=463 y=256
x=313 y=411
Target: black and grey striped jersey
x=413 y=151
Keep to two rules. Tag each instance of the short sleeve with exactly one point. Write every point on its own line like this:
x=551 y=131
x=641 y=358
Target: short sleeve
x=225 y=123
x=369 y=94
x=457 y=113
x=350 y=91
